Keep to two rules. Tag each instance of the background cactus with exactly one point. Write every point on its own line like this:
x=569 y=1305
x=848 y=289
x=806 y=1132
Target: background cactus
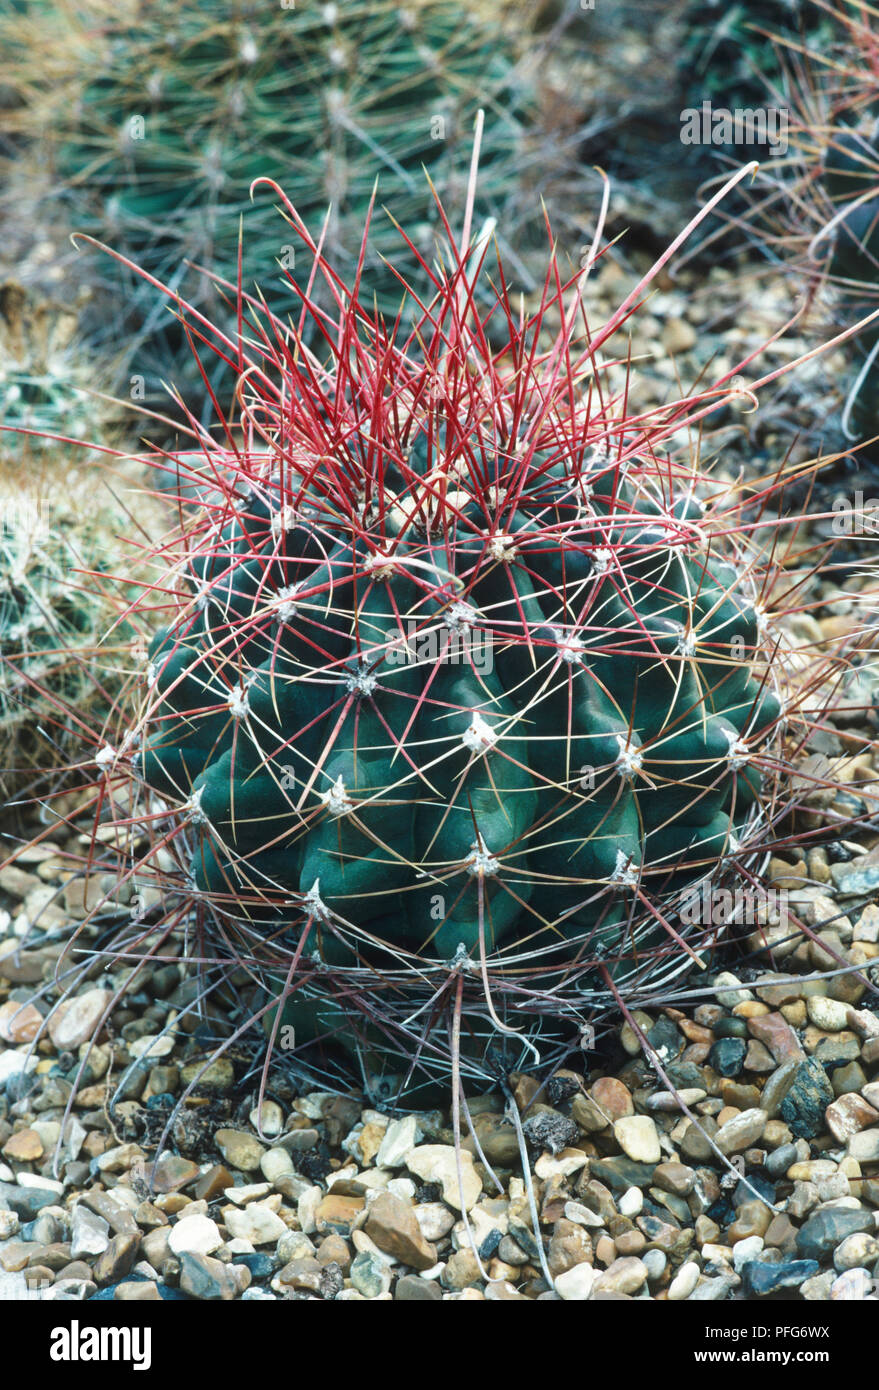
x=44 y=374
x=727 y=55
x=818 y=210
x=55 y=681
x=158 y=121
x=674 y=57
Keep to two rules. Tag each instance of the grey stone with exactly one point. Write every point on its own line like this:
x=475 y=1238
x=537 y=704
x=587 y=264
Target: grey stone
x=727 y=1056
x=807 y=1099
x=778 y=1162
x=777 y=1087
x=370 y=1274
x=851 y=880
x=828 y=1228
x=411 y=1289
x=90 y=1233
x=26 y=1202
x=714 y=1290
x=761 y=1278
x=621 y=1173
x=550 y=1130
x=203 y=1277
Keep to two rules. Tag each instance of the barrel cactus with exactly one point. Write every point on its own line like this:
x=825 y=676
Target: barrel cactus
x=159 y=119
x=464 y=679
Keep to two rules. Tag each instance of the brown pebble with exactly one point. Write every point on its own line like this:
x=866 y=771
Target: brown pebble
x=758 y=1058
x=25 y=1146
x=752 y=1219
x=694 y=1033
x=19 y=1023
x=605 y=1251
x=781 y=1234
x=736 y=1094
x=462 y=1270
x=777 y=1035
x=213 y=1183
x=411 y=1289
x=145 y=1291
x=337 y=1213
x=613 y=1098
x=570 y=1245
x=504 y=1292
x=149 y=1217
x=848 y=1115
x=675 y=1178
x=630 y=1242
x=392 y=1225
x=173 y=1203
x=172 y=1172
x=334 y=1250
x=118 y=1258
x=14 y=1255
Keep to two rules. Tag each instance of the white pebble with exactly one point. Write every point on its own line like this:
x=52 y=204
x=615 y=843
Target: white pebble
x=399 y=1137
x=151 y=1045
x=631 y=1202
x=255 y=1222
x=575 y=1285
x=275 y=1164
x=853 y=1286
x=745 y=1250
x=195 y=1235
x=9 y=1224
x=272 y=1118
x=403 y=1187
x=638 y=1138
x=582 y=1215
x=306 y=1208
x=730 y=997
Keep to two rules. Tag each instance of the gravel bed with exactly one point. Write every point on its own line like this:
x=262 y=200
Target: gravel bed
x=766 y=1184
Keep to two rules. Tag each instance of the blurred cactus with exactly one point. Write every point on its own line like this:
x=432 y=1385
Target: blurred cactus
x=54 y=677
x=44 y=374
x=728 y=55
x=158 y=120
x=817 y=211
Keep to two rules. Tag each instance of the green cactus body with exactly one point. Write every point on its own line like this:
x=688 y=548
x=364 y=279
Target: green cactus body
x=568 y=730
